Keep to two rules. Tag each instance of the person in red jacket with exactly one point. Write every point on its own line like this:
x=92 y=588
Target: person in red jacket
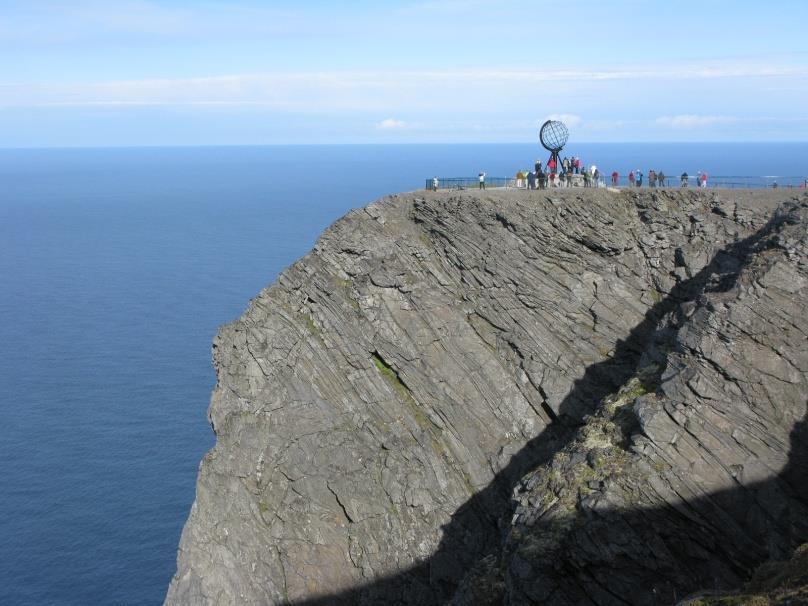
x=615 y=177
x=631 y=178
x=703 y=179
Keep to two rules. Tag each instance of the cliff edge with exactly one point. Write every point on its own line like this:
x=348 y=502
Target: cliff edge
x=509 y=397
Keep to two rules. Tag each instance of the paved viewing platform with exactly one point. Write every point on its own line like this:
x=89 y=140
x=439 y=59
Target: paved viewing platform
x=720 y=181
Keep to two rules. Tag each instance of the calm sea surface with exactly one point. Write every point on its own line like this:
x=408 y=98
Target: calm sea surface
x=116 y=268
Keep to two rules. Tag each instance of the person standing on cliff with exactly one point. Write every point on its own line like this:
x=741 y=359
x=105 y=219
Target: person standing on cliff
x=537 y=166
x=661 y=178
x=703 y=179
x=631 y=179
x=482 y=179
x=638 y=178
x=615 y=177
x=684 y=179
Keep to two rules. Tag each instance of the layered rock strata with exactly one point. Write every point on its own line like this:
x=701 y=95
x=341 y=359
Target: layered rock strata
x=512 y=397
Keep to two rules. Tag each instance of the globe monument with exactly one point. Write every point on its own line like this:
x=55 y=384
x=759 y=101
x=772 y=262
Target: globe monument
x=553 y=136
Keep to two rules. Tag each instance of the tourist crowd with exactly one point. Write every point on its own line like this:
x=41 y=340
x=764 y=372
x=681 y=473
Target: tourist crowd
x=572 y=172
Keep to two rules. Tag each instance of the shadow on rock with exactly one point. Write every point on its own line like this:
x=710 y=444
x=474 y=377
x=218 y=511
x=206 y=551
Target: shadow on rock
x=675 y=550
x=599 y=554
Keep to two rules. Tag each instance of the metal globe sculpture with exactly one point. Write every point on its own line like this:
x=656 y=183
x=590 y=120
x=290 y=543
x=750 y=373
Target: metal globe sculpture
x=553 y=135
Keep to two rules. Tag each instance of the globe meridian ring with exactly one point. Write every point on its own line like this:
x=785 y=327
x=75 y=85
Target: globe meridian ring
x=553 y=135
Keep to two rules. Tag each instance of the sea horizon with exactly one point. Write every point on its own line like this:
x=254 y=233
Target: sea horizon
x=119 y=266
x=392 y=144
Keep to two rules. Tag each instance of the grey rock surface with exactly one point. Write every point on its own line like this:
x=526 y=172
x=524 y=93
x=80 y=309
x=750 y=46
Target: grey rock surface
x=511 y=397
x=694 y=472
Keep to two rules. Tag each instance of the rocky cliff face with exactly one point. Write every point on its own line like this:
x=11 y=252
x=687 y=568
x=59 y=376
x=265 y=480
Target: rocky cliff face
x=512 y=398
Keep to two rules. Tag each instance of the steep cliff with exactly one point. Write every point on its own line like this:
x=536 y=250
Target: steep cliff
x=512 y=397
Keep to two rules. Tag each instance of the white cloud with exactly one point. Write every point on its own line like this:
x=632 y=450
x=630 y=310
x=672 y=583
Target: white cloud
x=692 y=121
x=570 y=120
x=380 y=91
x=437 y=104
x=392 y=124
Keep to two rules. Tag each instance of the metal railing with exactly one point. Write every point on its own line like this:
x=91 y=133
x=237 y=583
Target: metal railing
x=720 y=181
x=723 y=181
x=469 y=182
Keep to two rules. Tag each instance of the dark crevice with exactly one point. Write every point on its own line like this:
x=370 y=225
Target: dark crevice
x=505 y=222
x=544 y=405
x=341 y=505
x=389 y=372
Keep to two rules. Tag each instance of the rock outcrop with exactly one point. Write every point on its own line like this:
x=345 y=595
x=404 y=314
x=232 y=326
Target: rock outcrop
x=513 y=397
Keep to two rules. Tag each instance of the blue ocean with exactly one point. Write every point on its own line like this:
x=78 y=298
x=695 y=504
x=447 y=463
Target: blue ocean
x=116 y=268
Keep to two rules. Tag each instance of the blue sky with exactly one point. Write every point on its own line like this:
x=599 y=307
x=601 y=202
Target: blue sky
x=163 y=72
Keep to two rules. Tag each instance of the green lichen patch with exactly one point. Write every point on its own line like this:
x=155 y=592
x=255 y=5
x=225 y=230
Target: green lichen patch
x=391 y=376
x=312 y=326
x=394 y=380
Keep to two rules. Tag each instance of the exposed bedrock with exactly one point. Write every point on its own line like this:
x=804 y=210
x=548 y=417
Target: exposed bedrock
x=513 y=397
